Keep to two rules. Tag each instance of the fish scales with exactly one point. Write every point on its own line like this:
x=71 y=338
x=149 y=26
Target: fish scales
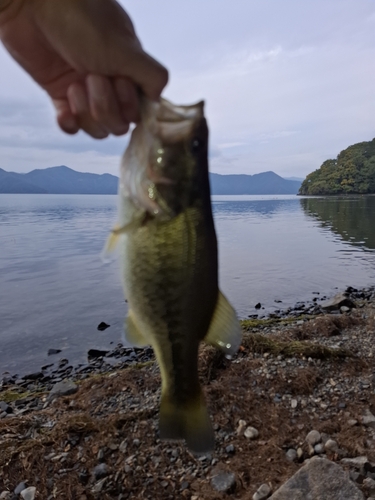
x=169 y=261
x=178 y=299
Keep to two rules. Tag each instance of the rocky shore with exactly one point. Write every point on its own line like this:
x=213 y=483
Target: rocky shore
x=297 y=401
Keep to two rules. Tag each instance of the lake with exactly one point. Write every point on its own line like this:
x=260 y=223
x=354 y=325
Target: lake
x=55 y=290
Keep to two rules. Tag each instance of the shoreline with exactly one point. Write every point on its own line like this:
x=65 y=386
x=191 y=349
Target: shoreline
x=93 y=434
x=101 y=360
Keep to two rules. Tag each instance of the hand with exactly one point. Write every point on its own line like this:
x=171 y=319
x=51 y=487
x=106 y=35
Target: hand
x=86 y=55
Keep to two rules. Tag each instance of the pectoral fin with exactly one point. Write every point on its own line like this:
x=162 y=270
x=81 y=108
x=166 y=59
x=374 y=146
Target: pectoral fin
x=133 y=335
x=113 y=238
x=225 y=329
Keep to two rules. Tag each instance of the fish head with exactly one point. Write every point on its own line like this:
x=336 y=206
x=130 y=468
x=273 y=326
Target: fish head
x=165 y=168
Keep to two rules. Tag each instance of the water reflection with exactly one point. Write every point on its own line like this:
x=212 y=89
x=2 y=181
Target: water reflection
x=252 y=205
x=351 y=218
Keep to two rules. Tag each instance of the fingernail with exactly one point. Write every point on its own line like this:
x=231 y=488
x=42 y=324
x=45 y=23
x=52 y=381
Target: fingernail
x=69 y=124
x=100 y=134
x=121 y=129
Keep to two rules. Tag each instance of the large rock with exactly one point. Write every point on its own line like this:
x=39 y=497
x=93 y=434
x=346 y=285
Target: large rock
x=317 y=480
x=336 y=302
x=64 y=388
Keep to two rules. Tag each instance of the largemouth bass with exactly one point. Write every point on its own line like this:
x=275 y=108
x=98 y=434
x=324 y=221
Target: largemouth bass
x=170 y=263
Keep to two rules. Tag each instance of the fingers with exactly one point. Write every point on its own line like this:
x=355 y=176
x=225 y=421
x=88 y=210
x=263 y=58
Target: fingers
x=80 y=107
x=99 y=106
x=65 y=118
x=105 y=107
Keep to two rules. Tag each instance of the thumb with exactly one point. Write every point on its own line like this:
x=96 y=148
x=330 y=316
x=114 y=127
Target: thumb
x=146 y=72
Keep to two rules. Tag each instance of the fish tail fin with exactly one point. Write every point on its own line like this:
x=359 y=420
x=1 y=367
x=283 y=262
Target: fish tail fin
x=189 y=421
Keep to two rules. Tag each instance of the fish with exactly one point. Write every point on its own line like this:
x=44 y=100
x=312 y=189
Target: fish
x=169 y=260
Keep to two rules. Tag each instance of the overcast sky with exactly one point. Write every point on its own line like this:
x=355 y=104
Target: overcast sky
x=287 y=84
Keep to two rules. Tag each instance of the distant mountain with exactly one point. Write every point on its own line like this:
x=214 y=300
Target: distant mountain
x=264 y=183
x=57 y=180
x=14 y=183
x=64 y=180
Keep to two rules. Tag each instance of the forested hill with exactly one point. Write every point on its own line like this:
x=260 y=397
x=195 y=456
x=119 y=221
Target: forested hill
x=353 y=172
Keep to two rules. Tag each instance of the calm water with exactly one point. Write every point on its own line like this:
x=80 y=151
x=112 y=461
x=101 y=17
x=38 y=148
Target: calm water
x=54 y=289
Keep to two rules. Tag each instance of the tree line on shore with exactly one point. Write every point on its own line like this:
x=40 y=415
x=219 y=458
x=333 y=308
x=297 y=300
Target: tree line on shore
x=352 y=172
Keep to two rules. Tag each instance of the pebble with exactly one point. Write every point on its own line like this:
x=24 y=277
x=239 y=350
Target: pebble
x=368 y=419
x=331 y=445
x=241 y=427
x=369 y=485
x=251 y=433
x=5 y=495
x=97 y=488
x=20 y=487
x=4 y=407
x=28 y=493
x=230 y=448
x=185 y=485
x=352 y=422
x=123 y=446
x=51 y=352
x=263 y=492
x=319 y=448
x=313 y=437
x=224 y=482
x=293 y=403
x=291 y=455
x=357 y=462
x=103 y=326
x=100 y=471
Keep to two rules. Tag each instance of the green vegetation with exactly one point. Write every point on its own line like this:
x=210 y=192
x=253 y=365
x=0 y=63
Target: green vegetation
x=263 y=343
x=353 y=172
x=248 y=324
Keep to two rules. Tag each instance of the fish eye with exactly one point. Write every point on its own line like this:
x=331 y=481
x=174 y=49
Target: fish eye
x=195 y=145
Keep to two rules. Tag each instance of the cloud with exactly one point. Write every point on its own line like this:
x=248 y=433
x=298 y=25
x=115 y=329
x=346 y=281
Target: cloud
x=287 y=85
x=30 y=158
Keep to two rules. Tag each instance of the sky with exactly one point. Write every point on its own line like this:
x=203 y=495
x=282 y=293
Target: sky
x=287 y=85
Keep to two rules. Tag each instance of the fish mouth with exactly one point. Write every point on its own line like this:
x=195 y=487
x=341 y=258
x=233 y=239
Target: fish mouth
x=172 y=123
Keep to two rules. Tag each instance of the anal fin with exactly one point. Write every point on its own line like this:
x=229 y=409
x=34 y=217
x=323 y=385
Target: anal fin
x=225 y=329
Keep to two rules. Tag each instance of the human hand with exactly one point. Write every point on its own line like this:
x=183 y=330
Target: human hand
x=86 y=55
